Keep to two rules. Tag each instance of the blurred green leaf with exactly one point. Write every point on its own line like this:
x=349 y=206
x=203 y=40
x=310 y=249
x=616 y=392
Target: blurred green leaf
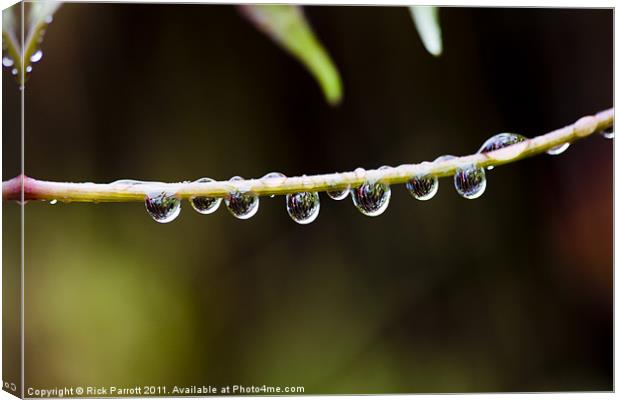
x=287 y=26
x=40 y=15
x=41 y=11
x=426 y=19
x=10 y=44
x=8 y=20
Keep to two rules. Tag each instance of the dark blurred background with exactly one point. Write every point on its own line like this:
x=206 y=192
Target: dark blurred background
x=510 y=292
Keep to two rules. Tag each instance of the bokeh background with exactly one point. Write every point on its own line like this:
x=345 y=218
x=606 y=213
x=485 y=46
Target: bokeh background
x=510 y=292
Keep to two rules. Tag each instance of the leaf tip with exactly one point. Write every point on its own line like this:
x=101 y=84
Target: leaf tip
x=426 y=19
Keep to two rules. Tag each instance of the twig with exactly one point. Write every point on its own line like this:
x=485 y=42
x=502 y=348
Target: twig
x=125 y=192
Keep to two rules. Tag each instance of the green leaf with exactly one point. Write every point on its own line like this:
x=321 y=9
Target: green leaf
x=288 y=27
x=8 y=20
x=10 y=44
x=426 y=19
x=40 y=15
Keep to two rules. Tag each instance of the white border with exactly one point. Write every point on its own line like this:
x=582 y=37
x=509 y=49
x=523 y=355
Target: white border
x=541 y=3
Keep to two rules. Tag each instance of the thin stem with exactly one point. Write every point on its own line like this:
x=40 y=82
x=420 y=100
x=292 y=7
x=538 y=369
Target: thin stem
x=128 y=191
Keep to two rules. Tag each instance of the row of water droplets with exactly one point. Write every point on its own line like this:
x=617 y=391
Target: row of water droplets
x=469 y=181
x=371 y=198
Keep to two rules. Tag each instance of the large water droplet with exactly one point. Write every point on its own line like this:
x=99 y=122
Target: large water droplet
x=608 y=133
x=240 y=205
x=275 y=175
x=470 y=182
x=339 y=194
x=7 y=61
x=500 y=141
x=36 y=56
x=163 y=207
x=303 y=207
x=372 y=198
x=54 y=201
x=205 y=205
x=554 y=151
x=423 y=188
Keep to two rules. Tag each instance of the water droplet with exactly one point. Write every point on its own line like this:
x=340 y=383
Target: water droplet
x=275 y=175
x=36 y=56
x=303 y=207
x=470 y=182
x=127 y=182
x=7 y=61
x=52 y=202
x=14 y=71
x=608 y=133
x=240 y=205
x=423 y=188
x=372 y=198
x=339 y=194
x=49 y=19
x=500 y=141
x=445 y=158
x=163 y=207
x=29 y=68
x=205 y=205
x=554 y=151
